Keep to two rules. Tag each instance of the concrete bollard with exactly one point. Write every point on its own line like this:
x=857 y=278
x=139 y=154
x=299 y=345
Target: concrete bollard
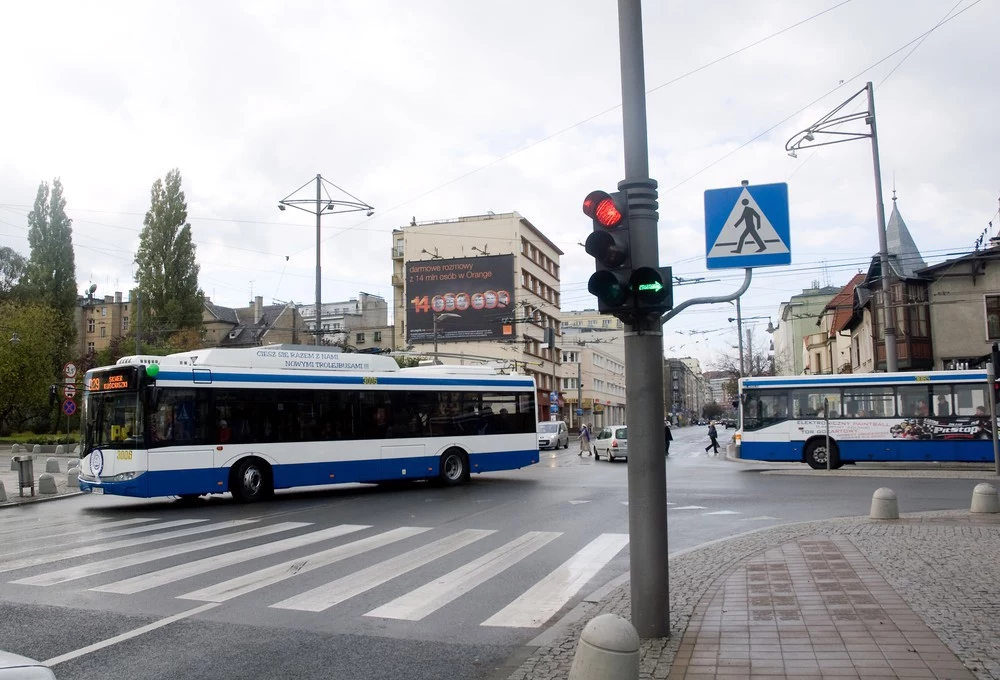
x=73 y=478
x=14 y=449
x=73 y=463
x=52 y=465
x=47 y=484
x=60 y=449
x=609 y=648
x=884 y=505
x=985 y=499
x=36 y=450
x=3 y=493
x=76 y=449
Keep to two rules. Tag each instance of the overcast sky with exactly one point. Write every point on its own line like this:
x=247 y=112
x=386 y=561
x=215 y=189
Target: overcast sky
x=439 y=109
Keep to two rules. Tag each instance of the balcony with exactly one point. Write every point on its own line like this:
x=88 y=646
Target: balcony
x=397 y=252
x=397 y=279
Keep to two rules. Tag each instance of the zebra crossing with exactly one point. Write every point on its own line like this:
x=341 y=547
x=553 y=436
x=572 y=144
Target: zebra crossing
x=138 y=556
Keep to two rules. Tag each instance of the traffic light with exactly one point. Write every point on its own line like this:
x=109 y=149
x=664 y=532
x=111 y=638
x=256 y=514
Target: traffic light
x=653 y=289
x=53 y=395
x=609 y=245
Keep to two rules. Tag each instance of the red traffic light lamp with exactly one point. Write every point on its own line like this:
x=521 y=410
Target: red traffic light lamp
x=608 y=243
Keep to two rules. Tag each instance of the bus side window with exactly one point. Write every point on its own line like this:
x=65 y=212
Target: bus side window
x=968 y=398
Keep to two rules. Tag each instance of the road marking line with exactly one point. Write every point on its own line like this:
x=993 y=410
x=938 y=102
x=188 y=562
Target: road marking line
x=188 y=569
x=428 y=598
x=577 y=502
x=720 y=512
x=69 y=656
x=544 y=599
x=91 y=529
x=102 y=566
x=83 y=551
x=761 y=517
x=690 y=507
x=220 y=592
x=335 y=592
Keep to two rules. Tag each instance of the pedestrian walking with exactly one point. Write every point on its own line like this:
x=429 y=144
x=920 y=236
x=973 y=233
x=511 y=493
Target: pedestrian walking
x=713 y=436
x=667 y=437
x=584 y=438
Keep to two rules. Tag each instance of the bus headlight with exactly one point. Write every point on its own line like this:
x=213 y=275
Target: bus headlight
x=125 y=476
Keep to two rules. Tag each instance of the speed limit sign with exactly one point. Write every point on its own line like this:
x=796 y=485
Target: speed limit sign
x=69 y=370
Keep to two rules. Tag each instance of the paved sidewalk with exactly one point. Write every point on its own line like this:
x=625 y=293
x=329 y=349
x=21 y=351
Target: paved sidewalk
x=10 y=480
x=917 y=597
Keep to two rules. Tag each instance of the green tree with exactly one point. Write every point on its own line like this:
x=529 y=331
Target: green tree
x=25 y=366
x=13 y=266
x=167 y=272
x=50 y=276
x=711 y=411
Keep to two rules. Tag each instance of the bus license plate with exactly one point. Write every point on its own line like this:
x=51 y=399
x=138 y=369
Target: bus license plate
x=96 y=489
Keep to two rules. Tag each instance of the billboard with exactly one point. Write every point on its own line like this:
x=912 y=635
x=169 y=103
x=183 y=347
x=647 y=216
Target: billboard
x=479 y=291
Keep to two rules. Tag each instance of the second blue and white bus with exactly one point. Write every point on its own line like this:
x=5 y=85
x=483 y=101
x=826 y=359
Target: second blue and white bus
x=926 y=416
x=249 y=421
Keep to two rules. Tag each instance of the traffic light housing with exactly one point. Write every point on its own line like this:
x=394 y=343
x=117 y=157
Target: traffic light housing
x=53 y=395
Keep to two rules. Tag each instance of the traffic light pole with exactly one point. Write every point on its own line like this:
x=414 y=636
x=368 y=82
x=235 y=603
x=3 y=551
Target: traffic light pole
x=647 y=485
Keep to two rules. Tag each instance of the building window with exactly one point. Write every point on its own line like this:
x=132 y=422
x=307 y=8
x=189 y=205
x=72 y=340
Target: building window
x=90 y=348
x=124 y=323
x=359 y=338
x=378 y=336
x=104 y=331
x=993 y=317
x=91 y=325
x=104 y=311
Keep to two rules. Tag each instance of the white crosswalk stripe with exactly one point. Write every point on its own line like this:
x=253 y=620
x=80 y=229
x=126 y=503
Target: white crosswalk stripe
x=91 y=536
x=188 y=569
x=325 y=596
x=427 y=599
x=92 y=568
x=248 y=583
x=20 y=563
x=721 y=512
x=541 y=602
x=30 y=535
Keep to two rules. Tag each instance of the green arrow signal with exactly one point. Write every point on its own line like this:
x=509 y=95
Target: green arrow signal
x=654 y=286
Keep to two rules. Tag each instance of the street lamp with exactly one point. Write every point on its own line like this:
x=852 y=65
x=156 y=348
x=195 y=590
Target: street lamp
x=441 y=317
x=319 y=206
x=806 y=139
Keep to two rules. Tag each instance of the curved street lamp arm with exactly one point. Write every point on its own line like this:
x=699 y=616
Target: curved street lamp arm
x=805 y=139
x=709 y=300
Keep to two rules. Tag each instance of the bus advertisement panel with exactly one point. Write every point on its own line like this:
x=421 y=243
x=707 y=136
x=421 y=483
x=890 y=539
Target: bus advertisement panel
x=477 y=294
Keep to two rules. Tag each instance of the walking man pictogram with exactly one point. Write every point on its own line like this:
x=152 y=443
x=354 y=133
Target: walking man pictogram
x=752 y=219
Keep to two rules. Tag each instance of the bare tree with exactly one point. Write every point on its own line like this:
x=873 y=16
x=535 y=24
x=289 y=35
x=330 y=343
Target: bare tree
x=757 y=359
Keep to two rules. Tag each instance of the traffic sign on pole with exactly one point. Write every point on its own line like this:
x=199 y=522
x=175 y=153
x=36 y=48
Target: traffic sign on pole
x=69 y=391
x=747 y=226
x=69 y=370
x=69 y=407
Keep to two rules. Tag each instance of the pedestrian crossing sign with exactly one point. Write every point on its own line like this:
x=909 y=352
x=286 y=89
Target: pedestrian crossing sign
x=747 y=226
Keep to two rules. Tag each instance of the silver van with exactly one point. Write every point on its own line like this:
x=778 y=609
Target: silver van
x=553 y=434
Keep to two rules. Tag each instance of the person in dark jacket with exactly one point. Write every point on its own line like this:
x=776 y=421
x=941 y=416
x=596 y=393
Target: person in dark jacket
x=667 y=437
x=713 y=436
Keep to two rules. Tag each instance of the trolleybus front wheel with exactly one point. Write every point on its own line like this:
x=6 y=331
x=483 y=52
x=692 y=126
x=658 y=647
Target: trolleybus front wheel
x=250 y=481
x=816 y=454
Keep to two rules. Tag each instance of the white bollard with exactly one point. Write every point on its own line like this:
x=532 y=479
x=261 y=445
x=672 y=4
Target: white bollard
x=985 y=499
x=60 y=449
x=73 y=463
x=73 y=478
x=14 y=448
x=3 y=493
x=609 y=648
x=52 y=465
x=47 y=484
x=884 y=505
x=76 y=449
x=36 y=450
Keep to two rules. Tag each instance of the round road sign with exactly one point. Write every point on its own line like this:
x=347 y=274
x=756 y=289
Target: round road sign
x=69 y=370
x=69 y=391
x=69 y=407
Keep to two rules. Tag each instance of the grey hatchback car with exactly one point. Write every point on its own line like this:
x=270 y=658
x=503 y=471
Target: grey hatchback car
x=553 y=434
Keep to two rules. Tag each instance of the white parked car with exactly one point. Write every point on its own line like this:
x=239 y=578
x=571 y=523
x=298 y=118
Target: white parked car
x=15 y=667
x=553 y=434
x=612 y=443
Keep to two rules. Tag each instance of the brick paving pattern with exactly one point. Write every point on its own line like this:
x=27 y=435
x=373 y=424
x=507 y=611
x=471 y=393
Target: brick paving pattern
x=847 y=598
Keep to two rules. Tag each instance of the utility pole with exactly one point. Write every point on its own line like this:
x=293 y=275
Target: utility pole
x=579 y=387
x=891 y=363
x=739 y=335
x=647 y=486
x=320 y=206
